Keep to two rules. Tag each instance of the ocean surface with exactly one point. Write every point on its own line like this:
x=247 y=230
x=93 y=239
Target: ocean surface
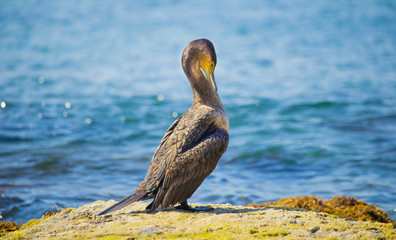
x=88 y=88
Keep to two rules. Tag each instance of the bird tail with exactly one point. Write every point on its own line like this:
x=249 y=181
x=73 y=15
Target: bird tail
x=123 y=203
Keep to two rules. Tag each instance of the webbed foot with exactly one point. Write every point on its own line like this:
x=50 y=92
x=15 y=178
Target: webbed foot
x=185 y=207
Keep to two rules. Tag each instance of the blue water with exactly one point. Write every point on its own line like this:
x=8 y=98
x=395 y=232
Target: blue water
x=88 y=88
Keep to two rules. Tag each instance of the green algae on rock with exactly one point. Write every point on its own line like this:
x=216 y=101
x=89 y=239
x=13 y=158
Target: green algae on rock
x=224 y=222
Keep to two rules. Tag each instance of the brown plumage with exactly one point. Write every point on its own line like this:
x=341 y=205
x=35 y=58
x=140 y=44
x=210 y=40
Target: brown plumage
x=193 y=144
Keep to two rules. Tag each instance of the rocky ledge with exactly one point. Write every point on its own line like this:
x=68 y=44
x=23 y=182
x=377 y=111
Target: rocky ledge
x=224 y=222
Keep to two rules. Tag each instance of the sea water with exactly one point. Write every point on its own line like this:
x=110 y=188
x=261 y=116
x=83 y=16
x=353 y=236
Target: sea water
x=88 y=88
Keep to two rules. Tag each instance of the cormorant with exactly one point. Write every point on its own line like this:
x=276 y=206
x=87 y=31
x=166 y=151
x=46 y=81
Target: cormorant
x=193 y=144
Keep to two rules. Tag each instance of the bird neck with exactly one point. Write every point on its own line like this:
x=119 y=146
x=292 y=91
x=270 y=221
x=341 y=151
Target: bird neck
x=202 y=89
x=205 y=96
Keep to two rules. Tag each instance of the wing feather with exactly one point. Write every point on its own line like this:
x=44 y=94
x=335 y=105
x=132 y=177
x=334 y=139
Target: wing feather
x=180 y=136
x=184 y=175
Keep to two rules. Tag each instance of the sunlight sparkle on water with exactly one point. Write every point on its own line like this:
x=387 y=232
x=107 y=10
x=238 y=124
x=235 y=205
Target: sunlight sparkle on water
x=160 y=98
x=67 y=105
x=88 y=121
x=3 y=104
x=41 y=80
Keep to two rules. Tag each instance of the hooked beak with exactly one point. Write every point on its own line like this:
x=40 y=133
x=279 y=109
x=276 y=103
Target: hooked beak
x=210 y=76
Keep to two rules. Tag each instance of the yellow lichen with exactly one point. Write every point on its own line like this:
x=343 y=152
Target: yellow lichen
x=30 y=223
x=275 y=233
x=116 y=237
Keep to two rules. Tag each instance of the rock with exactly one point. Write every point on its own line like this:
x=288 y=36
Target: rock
x=344 y=206
x=225 y=222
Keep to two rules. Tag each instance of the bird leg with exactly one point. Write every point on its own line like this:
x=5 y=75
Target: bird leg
x=149 y=208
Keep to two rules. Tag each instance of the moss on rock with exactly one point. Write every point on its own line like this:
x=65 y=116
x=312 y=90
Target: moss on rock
x=224 y=222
